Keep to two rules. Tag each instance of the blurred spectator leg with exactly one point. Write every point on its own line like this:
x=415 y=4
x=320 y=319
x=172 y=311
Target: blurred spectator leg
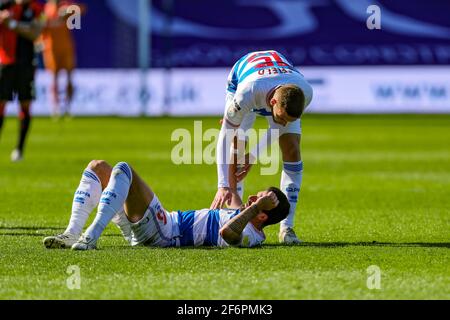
x=70 y=92
x=25 y=120
x=2 y=114
x=55 y=95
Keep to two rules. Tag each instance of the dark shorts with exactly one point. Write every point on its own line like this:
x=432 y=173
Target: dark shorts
x=17 y=81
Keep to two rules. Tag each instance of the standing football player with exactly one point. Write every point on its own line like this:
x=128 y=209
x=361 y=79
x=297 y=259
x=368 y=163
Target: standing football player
x=59 y=50
x=20 y=26
x=266 y=83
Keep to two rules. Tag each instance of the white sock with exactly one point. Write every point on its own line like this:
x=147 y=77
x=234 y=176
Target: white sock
x=113 y=199
x=291 y=181
x=85 y=200
x=124 y=225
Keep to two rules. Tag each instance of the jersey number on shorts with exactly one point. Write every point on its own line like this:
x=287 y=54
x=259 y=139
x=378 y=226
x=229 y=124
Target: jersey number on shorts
x=161 y=217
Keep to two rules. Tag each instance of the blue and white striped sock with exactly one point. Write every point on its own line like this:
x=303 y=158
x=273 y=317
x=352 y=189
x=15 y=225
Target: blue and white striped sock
x=86 y=198
x=112 y=200
x=291 y=181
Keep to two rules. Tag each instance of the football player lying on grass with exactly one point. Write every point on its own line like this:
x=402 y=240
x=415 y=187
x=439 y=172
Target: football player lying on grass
x=130 y=203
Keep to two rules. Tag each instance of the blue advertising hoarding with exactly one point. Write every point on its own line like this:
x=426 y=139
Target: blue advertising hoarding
x=205 y=33
x=404 y=67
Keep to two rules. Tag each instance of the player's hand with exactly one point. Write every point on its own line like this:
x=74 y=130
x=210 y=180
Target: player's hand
x=223 y=196
x=267 y=201
x=244 y=169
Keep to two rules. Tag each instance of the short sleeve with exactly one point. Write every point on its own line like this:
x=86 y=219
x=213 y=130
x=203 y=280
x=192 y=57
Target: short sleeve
x=251 y=237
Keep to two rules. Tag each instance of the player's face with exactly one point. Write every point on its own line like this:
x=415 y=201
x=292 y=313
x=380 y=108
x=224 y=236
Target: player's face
x=280 y=115
x=252 y=199
x=261 y=217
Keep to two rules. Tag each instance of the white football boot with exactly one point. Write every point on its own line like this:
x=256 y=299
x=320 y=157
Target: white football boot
x=85 y=243
x=288 y=236
x=16 y=156
x=61 y=241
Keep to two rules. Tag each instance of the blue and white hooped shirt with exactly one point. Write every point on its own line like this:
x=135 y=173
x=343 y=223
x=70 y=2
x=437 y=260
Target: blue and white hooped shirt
x=201 y=228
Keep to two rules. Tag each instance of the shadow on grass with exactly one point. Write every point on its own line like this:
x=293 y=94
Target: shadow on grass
x=45 y=231
x=366 y=244
x=30 y=228
x=305 y=244
x=37 y=231
x=43 y=234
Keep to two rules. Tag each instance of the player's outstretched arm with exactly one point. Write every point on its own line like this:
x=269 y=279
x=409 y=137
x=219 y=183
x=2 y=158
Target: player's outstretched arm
x=231 y=122
x=224 y=193
x=231 y=232
x=236 y=201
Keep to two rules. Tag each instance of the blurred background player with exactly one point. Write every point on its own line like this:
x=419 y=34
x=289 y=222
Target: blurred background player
x=19 y=28
x=59 y=50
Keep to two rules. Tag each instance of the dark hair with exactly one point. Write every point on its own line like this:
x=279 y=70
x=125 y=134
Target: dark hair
x=281 y=211
x=292 y=99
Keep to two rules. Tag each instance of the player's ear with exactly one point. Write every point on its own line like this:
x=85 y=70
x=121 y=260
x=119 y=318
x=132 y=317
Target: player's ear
x=273 y=102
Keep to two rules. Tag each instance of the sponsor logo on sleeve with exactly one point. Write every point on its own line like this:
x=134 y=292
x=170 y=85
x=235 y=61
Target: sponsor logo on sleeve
x=233 y=110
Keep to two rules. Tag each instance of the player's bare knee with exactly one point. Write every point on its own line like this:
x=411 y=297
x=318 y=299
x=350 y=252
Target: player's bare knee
x=96 y=164
x=100 y=167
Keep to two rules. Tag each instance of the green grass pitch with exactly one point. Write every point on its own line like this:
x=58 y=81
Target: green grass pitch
x=376 y=191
